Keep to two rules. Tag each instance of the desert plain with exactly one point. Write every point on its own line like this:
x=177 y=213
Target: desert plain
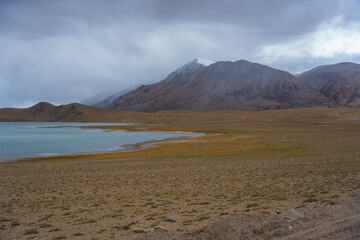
x=265 y=162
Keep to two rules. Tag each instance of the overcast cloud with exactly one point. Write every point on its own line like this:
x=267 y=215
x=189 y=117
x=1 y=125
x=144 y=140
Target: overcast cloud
x=64 y=51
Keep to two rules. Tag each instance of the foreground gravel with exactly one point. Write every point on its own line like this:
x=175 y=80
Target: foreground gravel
x=336 y=219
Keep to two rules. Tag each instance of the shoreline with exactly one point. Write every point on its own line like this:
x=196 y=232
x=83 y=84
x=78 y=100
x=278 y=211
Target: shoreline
x=124 y=148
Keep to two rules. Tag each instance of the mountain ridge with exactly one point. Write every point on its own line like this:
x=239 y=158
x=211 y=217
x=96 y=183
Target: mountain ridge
x=223 y=85
x=45 y=111
x=339 y=82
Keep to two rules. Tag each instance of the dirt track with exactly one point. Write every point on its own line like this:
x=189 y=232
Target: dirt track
x=336 y=219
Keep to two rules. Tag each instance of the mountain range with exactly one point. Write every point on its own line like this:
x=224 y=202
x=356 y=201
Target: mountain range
x=44 y=111
x=73 y=112
x=202 y=86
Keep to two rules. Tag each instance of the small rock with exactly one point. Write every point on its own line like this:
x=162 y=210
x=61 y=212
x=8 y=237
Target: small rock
x=170 y=220
x=138 y=230
x=161 y=228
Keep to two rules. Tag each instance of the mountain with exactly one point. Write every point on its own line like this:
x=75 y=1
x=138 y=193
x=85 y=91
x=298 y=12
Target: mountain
x=339 y=82
x=44 y=111
x=90 y=101
x=178 y=75
x=239 y=85
x=202 y=85
x=109 y=101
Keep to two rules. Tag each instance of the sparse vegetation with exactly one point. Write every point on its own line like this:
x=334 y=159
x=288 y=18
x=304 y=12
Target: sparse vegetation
x=31 y=231
x=46 y=217
x=15 y=223
x=275 y=159
x=45 y=225
x=127 y=227
x=252 y=205
x=59 y=237
x=309 y=200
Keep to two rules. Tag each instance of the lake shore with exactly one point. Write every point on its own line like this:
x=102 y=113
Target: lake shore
x=27 y=140
x=125 y=148
x=257 y=162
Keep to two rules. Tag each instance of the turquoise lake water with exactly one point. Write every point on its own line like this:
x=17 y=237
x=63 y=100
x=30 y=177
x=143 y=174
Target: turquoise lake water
x=29 y=139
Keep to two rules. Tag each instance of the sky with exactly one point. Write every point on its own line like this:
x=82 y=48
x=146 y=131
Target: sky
x=63 y=51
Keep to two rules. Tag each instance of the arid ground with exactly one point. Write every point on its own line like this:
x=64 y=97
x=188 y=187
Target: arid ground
x=249 y=162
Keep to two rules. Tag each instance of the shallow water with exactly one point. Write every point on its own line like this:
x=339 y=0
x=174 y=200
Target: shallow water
x=29 y=139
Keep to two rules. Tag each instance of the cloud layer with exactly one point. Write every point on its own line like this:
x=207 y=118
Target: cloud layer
x=65 y=51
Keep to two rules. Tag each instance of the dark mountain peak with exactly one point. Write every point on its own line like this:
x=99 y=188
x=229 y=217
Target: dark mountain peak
x=344 y=68
x=244 y=62
x=74 y=105
x=42 y=107
x=245 y=72
x=75 y=111
x=338 y=67
x=238 y=62
x=257 y=66
x=42 y=104
x=339 y=82
x=346 y=64
x=241 y=64
x=71 y=107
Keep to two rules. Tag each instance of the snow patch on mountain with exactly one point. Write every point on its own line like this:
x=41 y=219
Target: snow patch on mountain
x=203 y=61
x=192 y=66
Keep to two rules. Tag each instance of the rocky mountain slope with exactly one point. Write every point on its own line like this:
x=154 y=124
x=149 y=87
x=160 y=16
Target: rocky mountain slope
x=109 y=102
x=239 y=85
x=339 y=82
x=112 y=101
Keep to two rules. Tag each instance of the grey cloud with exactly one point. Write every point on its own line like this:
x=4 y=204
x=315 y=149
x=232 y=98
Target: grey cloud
x=274 y=17
x=61 y=17
x=64 y=51
x=349 y=8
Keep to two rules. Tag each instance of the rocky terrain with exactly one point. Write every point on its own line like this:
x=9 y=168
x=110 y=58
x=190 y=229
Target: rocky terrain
x=339 y=82
x=239 y=85
x=337 y=219
x=242 y=85
x=249 y=166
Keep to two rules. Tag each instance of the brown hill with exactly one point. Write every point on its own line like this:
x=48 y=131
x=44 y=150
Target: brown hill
x=339 y=82
x=73 y=112
x=239 y=85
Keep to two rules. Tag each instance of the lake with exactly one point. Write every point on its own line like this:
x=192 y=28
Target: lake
x=30 y=139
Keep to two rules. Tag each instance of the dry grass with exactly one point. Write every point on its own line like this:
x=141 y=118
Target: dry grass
x=257 y=161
